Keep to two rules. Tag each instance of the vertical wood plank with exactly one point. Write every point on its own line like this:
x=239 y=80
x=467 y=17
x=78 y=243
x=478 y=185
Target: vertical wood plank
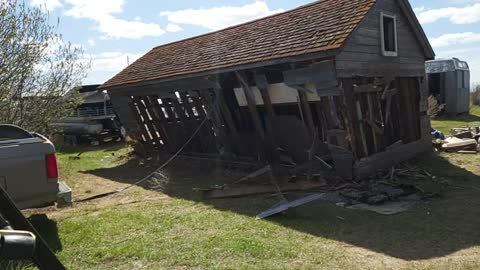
x=350 y=121
x=252 y=105
x=212 y=114
x=143 y=129
x=163 y=123
x=207 y=130
x=157 y=120
x=147 y=121
x=307 y=113
x=371 y=117
x=362 y=130
x=271 y=146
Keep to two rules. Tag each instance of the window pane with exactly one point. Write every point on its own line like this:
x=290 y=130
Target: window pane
x=389 y=34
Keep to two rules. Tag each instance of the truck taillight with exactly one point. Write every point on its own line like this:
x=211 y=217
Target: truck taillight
x=52 y=168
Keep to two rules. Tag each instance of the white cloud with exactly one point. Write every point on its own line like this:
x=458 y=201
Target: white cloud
x=466 y=15
x=91 y=42
x=455 y=39
x=118 y=28
x=48 y=4
x=105 y=65
x=219 y=17
x=112 y=61
x=93 y=9
x=102 y=13
x=417 y=10
x=171 y=27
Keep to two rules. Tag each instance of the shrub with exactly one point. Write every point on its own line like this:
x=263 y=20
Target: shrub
x=475 y=95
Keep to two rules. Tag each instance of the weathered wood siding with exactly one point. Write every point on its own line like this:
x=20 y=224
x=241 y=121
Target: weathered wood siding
x=362 y=53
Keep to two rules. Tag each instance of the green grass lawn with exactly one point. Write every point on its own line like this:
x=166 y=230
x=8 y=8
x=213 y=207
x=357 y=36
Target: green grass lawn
x=172 y=227
x=445 y=124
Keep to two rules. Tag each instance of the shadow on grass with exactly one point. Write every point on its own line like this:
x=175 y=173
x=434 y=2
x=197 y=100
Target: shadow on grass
x=105 y=147
x=48 y=229
x=433 y=229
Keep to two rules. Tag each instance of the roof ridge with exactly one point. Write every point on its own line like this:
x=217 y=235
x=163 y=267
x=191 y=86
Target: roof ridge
x=240 y=24
x=319 y=26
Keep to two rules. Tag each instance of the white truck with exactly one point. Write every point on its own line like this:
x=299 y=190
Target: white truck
x=29 y=171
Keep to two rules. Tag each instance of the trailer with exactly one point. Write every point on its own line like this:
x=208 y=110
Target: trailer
x=93 y=121
x=449 y=82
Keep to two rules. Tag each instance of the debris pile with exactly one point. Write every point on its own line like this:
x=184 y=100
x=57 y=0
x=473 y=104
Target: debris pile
x=462 y=140
x=388 y=192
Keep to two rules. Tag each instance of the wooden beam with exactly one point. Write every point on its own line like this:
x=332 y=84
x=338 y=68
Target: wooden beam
x=157 y=120
x=366 y=88
x=250 y=190
x=262 y=84
x=362 y=130
x=206 y=131
x=147 y=121
x=385 y=160
x=201 y=75
x=252 y=105
x=307 y=113
x=188 y=106
x=164 y=124
x=371 y=118
x=212 y=113
x=141 y=125
x=350 y=121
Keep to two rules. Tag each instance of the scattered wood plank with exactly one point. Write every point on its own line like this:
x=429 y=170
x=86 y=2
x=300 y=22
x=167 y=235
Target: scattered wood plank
x=255 y=174
x=261 y=189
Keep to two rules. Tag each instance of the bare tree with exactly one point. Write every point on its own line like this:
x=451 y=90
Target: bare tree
x=37 y=68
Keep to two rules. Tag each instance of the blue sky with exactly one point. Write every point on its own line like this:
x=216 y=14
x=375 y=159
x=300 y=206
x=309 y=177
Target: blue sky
x=110 y=31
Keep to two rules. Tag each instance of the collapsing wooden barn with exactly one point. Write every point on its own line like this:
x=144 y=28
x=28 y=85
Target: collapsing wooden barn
x=346 y=76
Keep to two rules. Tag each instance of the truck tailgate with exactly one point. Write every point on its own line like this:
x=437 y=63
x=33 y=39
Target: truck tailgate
x=23 y=171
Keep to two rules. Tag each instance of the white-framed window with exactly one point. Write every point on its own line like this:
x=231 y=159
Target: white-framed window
x=388 y=28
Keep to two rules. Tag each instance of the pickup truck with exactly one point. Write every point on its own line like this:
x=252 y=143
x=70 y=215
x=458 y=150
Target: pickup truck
x=28 y=169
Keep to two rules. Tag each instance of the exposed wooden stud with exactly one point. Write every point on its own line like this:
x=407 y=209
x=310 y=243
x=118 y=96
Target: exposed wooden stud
x=159 y=124
x=141 y=124
x=271 y=146
x=371 y=119
x=350 y=121
x=163 y=123
x=252 y=105
x=322 y=119
x=334 y=112
x=188 y=107
x=375 y=127
x=366 y=88
x=206 y=131
x=147 y=121
x=211 y=113
x=227 y=115
x=307 y=113
x=362 y=130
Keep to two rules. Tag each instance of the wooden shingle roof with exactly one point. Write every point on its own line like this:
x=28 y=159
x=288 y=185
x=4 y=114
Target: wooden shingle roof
x=317 y=27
